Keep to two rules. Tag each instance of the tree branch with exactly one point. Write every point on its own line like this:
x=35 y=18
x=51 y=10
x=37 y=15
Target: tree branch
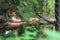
x=44 y=23
x=52 y=21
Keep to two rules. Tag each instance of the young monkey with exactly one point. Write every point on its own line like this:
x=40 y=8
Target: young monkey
x=17 y=21
x=14 y=18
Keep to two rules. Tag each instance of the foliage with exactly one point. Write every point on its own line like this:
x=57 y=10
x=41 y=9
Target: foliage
x=27 y=9
x=51 y=35
x=29 y=34
x=50 y=6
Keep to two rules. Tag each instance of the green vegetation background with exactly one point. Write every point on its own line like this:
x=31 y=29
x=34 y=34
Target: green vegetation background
x=27 y=9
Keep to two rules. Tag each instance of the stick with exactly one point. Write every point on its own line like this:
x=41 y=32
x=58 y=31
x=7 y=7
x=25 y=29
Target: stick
x=52 y=21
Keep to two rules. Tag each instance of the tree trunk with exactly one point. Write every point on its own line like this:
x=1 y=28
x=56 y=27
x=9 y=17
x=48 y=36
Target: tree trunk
x=57 y=14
